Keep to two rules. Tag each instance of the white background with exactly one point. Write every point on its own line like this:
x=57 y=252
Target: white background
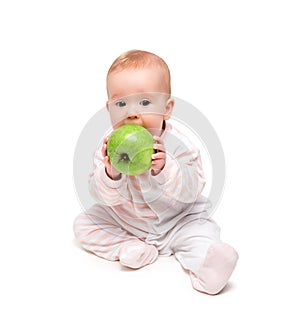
x=237 y=61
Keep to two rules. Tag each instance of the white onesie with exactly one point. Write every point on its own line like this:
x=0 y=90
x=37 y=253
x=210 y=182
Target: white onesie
x=165 y=212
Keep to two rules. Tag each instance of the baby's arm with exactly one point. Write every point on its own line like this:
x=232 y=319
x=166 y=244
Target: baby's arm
x=109 y=169
x=182 y=177
x=159 y=158
x=106 y=184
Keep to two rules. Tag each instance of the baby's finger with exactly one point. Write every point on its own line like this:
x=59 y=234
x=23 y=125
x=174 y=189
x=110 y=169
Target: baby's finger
x=105 y=140
x=104 y=143
x=159 y=147
x=158 y=156
x=159 y=144
x=158 y=139
x=104 y=149
x=106 y=161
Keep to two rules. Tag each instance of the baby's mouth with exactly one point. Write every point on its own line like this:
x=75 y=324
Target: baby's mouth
x=132 y=121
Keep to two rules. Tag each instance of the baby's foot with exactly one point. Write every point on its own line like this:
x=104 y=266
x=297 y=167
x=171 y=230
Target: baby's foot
x=216 y=269
x=137 y=254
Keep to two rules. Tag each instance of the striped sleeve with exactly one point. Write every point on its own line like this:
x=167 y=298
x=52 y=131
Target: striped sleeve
x=182 y=178
x=103 y=189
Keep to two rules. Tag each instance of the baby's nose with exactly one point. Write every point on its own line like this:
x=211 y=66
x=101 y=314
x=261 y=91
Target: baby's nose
x=133 y=116
x=132 y=113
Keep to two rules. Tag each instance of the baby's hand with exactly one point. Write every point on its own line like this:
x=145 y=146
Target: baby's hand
x=110 y=170
x=159 y=158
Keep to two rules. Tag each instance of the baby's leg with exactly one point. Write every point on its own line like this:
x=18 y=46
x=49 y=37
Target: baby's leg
x=98 y=232
x=210 y=262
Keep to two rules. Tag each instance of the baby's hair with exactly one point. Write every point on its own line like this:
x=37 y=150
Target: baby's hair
x=135 y=59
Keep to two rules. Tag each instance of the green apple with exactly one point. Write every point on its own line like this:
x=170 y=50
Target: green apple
x=130 y=149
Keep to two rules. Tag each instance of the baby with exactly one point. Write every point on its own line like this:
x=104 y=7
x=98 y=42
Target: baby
x=162 y=211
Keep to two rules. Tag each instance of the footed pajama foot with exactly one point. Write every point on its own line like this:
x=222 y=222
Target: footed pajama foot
x=216 y=269
x=137 y=254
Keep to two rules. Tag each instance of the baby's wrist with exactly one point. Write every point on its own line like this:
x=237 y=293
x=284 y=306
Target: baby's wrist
x=113 y=176
x=156 y=172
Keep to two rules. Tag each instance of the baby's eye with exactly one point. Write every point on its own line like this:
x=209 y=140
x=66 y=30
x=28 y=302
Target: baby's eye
x=121 y=104
x=145 y=102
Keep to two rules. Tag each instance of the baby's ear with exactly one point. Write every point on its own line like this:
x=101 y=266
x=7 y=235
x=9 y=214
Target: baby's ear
x=169 y=108
x=107 y=106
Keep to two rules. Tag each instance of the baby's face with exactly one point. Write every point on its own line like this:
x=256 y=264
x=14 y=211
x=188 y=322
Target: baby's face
x=139 y=96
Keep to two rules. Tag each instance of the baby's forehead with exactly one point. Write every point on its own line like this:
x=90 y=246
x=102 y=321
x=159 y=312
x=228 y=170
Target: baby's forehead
x=136 y=80
x=152 y=96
